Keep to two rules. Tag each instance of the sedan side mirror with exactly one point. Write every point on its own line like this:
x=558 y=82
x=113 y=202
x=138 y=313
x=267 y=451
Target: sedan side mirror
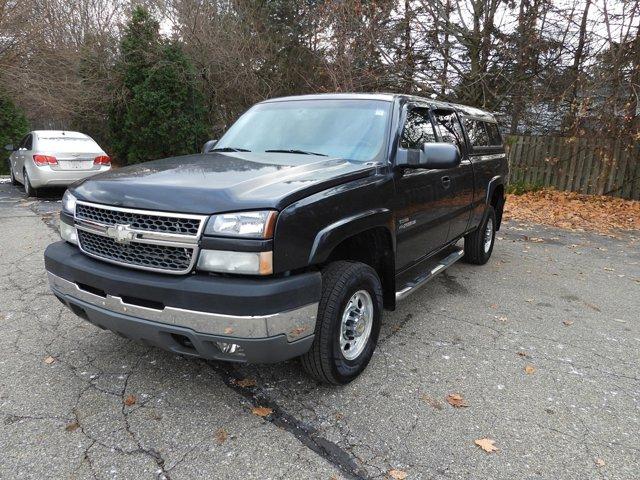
x=439 y=156
x=9 y=147
x=208 y=146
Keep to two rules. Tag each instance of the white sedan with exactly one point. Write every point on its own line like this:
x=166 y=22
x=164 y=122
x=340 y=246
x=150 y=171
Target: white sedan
x=55 y=158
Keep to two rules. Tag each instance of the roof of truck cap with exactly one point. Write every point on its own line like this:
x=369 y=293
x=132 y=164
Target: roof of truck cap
x=389 y=97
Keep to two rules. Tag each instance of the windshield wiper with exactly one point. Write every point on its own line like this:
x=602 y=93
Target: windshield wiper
x=229 y=149
x=293 y=150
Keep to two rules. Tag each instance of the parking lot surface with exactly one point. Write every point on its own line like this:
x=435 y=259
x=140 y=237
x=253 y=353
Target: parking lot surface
x=542 y=344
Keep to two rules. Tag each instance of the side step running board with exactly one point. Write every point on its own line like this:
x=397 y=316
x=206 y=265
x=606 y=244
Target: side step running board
x=419 y=281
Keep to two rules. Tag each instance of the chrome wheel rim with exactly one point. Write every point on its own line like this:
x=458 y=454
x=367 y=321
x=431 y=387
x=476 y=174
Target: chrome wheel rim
x=488 y=235
x=356 y=324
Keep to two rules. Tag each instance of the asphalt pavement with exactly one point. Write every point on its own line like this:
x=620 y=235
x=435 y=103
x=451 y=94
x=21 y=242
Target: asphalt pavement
x=542 y=345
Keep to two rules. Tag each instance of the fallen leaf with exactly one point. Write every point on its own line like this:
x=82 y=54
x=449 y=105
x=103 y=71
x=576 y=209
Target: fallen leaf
x=221 y=436
x=456 y=400
x=568 y=323
x=609 y=269
x=246 y=382
x=432 y=402
x=228 y=330
x=49 y=360
x=600 y=462
x=262 y=411
x=72 y=426
x=529 y=369
x=493 y=305
x=523 y=354
x=486 y=444
x=130 y=400
x=398 y=474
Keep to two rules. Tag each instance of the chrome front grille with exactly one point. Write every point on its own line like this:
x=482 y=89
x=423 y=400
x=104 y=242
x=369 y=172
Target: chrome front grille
x=139 y=221
x=174 y=259
x=148 y=240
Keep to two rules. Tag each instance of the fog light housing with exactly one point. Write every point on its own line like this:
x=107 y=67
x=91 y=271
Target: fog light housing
x=230 y=348
x=68 y=233
x=247 y=263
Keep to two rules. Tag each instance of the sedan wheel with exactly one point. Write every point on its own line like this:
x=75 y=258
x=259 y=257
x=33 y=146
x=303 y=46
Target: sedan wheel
x=29 y=191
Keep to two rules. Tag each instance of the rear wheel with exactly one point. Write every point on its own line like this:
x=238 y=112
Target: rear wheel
x=348 y=323
x=478 y=245
x=29 y=191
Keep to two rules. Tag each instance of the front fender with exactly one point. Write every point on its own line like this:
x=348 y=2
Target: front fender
x=332 y=235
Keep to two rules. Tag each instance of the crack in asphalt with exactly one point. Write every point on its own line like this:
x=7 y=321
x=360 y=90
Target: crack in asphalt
x=306 y=434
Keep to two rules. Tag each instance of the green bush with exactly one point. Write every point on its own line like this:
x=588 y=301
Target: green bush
x=520 y=187
x=157 y=111
x=13 y=126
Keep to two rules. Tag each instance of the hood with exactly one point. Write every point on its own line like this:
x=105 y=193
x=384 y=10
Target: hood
x=219 y=182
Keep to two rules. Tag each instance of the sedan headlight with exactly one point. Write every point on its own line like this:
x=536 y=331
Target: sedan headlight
x=259 y=224
x=69 y=203
x=247 y=263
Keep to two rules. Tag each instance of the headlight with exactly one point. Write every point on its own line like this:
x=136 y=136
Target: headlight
x=68 y=233
x=258 y=224
x=69 y=203
x=224 y=261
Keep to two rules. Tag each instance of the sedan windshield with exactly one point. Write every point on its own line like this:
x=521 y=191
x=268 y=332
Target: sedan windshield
x=350 y=129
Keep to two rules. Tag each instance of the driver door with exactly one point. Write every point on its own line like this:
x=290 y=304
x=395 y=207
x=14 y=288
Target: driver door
x=421 y=213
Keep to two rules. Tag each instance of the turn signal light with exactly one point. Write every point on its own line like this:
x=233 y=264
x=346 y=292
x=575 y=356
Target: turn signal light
x=42 y=160
x=102 y=160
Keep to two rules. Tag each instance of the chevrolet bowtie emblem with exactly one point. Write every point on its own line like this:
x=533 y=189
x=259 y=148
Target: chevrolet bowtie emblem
x=121 y=234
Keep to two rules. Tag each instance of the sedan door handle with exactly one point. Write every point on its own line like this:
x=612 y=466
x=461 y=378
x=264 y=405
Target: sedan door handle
x=446 y=181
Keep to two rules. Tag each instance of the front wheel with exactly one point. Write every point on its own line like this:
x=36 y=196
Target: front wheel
x=478 y=245
x=13 y=176
x=348 y=323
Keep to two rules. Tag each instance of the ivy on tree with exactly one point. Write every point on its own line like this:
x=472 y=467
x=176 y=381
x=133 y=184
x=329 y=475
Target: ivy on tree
x=13 y=126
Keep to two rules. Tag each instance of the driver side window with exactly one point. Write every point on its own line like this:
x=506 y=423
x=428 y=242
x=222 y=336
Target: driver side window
x=417 y=129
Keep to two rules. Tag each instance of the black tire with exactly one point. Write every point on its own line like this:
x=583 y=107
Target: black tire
x=29 y=191
x=325 y=360
x=475 y=251
x=13 y=177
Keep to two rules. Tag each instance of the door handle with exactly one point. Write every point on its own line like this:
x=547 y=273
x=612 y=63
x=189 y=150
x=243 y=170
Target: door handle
x=446 y=181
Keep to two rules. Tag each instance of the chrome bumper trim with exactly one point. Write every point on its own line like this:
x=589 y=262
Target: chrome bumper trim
x=294 y=324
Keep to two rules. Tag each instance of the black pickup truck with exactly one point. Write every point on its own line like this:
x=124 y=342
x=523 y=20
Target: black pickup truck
x=288 y=236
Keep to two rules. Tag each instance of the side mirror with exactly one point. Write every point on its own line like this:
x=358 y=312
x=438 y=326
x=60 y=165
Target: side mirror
x=9 y=147
x=439 y=156
x=208 y=146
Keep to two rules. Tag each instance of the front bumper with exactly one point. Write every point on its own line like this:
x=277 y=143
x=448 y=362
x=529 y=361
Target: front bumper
x=270 y=320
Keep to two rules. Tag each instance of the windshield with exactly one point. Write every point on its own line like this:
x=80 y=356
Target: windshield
x=350 y=129
x=68 y=144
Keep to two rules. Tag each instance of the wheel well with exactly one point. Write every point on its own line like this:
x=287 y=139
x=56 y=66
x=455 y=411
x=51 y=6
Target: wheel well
x=497 y=202
x=373 y=247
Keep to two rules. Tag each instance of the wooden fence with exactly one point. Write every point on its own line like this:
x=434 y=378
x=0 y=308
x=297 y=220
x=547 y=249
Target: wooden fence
x=585 y=165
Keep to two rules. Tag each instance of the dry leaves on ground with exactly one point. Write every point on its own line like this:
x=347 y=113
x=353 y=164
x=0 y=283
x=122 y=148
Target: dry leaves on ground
x=574 y=211
x=246 y=382
x=221 y=436
x=72 y=426
x=600 y=462
x=130 y=400
x=49 y=360
x=456 y=400
x=398 y=474
x=262 y=411
x=486 y=444
x=529 y=369
x=568 y=323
